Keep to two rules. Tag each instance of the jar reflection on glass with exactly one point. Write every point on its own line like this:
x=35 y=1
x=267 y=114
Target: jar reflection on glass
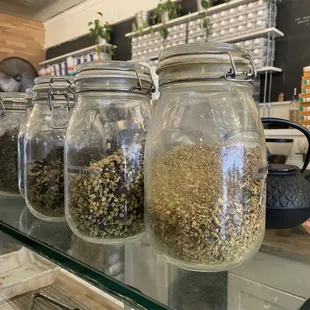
x=205 y=165
x=21 y=140
x=105 y=150
x=53 y=101
x=12 y=114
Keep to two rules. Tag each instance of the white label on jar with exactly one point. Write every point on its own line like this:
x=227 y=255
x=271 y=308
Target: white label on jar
x=78 y=170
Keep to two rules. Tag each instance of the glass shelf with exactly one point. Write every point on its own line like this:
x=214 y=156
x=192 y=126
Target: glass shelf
x=134 y=274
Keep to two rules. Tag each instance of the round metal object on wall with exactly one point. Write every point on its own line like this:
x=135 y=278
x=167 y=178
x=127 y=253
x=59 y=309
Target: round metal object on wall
x=16 y=74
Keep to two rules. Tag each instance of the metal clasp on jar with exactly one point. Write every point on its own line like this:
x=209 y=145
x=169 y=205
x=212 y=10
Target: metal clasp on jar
x=2 y=110
x=139 y=86
x=51 y=96
x=233 y=72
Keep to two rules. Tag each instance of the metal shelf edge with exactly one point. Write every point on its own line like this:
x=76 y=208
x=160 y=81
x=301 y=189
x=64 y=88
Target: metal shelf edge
x=83 y=50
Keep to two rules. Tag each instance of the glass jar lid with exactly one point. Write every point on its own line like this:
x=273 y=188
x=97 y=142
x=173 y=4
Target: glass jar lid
x=57 y=87
x=12 y=101
x=202 y=61
x=114 y=76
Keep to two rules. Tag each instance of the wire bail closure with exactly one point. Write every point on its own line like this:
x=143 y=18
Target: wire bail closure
x=233 y=73
x=2 y=109
x=51 y=96
x=139 y=86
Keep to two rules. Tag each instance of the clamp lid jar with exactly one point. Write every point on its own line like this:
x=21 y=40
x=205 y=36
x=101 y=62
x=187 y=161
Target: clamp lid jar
x=205 y=165
x=53 y=102
x=105 y=150
x=12 y=113
x=21 y=140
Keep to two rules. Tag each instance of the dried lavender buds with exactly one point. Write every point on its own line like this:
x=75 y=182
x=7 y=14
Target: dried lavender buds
x=107 y=202
x=45 y=185
x=8 y=162
x=205 y=205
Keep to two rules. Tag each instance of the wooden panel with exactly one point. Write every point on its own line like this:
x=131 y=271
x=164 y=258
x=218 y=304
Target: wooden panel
x=21 y=38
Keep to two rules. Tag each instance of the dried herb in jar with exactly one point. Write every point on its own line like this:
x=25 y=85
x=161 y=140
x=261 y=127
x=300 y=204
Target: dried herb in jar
x=107 y=202
x=8 y=162
x=206 y=203
x=45 y=184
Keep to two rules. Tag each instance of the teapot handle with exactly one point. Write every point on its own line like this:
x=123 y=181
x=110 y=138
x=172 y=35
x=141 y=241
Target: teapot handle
x=306 y=132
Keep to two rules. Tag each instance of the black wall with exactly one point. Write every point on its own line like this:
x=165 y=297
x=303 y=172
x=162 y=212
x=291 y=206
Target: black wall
x=292 y=51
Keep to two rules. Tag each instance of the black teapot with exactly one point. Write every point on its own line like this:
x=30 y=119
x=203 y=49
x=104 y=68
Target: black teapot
x=288 y=192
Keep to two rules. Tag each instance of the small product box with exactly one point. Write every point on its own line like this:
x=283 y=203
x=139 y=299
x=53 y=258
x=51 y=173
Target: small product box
x=304 y=99
x=306 y=71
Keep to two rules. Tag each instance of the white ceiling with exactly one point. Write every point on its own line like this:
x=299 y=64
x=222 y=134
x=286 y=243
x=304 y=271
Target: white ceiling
x=40 y=10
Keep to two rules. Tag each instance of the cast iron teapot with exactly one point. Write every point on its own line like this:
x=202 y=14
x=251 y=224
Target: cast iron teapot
x=288 y=192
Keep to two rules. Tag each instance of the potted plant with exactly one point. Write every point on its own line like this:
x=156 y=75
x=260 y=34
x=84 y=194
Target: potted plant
x=166 y=11
x=142 y=19
x=106 y=33
x=102 y=35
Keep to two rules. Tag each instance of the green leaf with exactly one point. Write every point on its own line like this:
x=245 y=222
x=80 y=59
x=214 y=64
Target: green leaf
x=134 y=27
x=97 y=22
x=164 y=32
x=90 y=23
x=99 y=13
x=205 y=4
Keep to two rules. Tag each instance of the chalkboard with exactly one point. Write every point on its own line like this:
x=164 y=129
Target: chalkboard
x=293 y=50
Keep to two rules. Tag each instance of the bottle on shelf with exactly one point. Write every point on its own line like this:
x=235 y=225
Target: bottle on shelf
x=294 y=108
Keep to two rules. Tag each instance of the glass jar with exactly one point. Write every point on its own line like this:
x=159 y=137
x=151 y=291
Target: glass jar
x=12 y=113
x=104 y=151
x=53 y=100
x=21 y=139
x=205 y=166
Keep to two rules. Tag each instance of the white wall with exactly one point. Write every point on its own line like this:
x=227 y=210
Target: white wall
x=74 y=22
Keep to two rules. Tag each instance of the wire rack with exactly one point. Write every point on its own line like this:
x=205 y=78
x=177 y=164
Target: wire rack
x=38 y=300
